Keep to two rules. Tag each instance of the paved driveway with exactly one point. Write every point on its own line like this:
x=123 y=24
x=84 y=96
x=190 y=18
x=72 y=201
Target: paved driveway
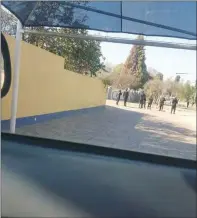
x=119 y=128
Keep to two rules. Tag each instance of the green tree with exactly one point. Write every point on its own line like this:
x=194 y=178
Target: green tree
x=159 y=76
x=118 y=69
x=135 y=64
x=81 y=56
x=106 y=81
x=8 y=22
x=124 y=81
x=188 y=92
x=154 y=74
x=172 y=88
x=154 y=88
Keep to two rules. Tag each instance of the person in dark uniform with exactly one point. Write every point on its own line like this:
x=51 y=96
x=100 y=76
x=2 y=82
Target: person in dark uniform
x=144 y=100
x=150 y=101
x=174 y=103
x=161 y=103
x=187 y=103
x=118 y=97
x=125 y=96
x=141 y=100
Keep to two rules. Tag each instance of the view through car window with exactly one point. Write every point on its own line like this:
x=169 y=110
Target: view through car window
x=123 y=96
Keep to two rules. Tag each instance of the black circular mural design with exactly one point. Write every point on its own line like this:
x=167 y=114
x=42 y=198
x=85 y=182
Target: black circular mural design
x=6 y=70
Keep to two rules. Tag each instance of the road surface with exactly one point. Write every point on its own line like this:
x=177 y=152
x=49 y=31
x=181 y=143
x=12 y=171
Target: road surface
x=125 y=128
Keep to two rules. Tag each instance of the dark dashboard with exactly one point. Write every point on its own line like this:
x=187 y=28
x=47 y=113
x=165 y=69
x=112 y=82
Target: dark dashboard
x=48 y=178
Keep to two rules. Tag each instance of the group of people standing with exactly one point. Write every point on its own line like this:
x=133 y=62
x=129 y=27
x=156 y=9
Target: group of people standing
x=174 y=103
x=125 y=96
x=142 y=102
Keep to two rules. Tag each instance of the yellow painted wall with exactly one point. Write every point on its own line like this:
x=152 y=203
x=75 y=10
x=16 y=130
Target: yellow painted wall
x=46 y=87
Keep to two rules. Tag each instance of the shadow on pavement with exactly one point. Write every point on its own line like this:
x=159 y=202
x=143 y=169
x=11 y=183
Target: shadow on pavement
x=118 y=128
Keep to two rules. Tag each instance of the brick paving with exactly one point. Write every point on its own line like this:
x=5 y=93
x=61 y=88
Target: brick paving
x=118 y=128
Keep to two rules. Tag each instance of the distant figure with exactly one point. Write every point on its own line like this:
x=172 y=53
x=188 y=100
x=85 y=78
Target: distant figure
x=118 y=97
x=174 y=103
x=161 y=103
x=125 y=96
x=150 y=101
x=187 y=103
x=141 y=100
x=144 y=101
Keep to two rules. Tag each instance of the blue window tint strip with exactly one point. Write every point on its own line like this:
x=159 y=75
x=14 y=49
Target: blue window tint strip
x=166 y=19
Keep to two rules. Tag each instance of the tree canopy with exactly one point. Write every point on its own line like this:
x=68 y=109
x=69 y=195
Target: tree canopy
x=81 y=56
x=154 y=88
x=118 y=68
x=135 y=66
x=153 y=73
x=8 y=23
x=184 y=91
x=188 y=92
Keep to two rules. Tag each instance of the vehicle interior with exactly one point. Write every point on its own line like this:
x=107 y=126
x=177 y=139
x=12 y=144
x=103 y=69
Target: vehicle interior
x=53 y=178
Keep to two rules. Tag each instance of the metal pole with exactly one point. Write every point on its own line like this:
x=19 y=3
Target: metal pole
x=15 y=84
x=117 y=40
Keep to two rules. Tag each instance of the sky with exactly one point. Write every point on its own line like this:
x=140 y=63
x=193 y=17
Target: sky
x=165 y=60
